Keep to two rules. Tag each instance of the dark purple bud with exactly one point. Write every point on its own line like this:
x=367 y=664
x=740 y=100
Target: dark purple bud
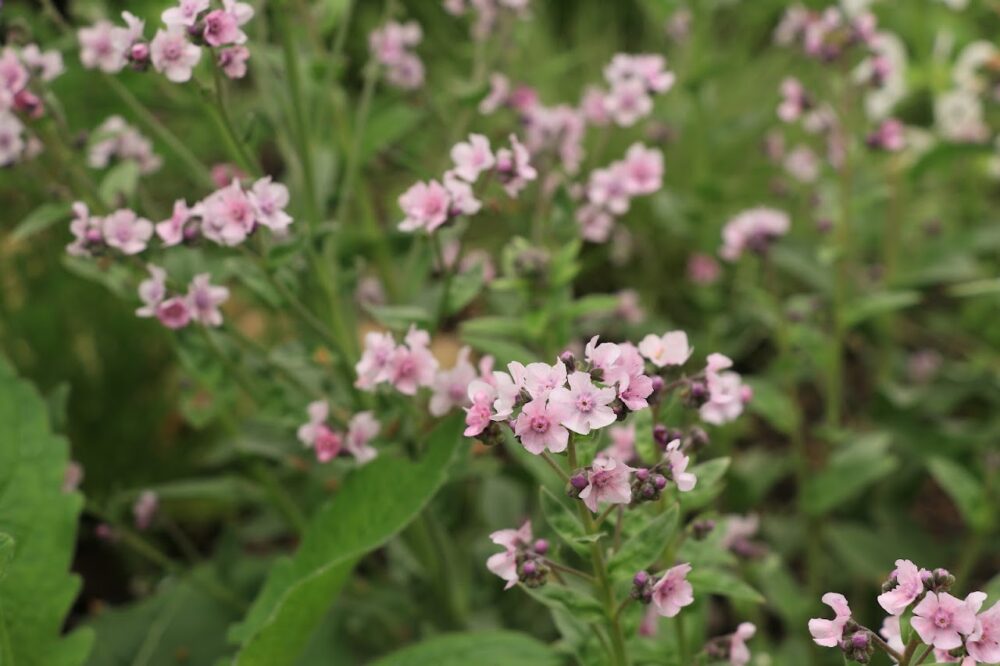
x=661 y=434
x=642 y=473
x=541 y=546
x=660 y=481
x=640 y=579
x=579 y=481
x=569 y=360
x=859 y=640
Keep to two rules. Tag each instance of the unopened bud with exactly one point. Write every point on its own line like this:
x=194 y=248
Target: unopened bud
x=569 y=360
x=541 y=546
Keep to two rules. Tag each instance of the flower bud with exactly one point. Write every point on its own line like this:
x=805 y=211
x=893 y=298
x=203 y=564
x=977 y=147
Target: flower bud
x=642 y=473
x=138 y=56
x=702 y=528
x=640 y=578
x=661 y=434
x=569 y=360
x=541 y=546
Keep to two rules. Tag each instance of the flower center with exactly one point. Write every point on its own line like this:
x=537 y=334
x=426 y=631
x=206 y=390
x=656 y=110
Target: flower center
x=585 y=403
x=540 y=424
x=942 y=618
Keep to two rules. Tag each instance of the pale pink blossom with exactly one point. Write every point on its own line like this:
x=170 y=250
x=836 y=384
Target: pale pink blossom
x=451 y=387
x=498 y=95
x=942 y=620
x=46 y=65
x=426 y=206
x=593 y=108
x=538 y=427
x=608 y=482
x=479 y=414
x=677 y=462
x=103 y=46
x=176 y=229
x=126 y=231
x=361 y=430
x=703 y=269
x=587 y=407
x=185 y=13
x=628 y=102
x=609 y=188
x=173 y=54
x=13 y=74
x=174 y=313
x=87 y=231
x=504 y=564
x=595 y=223
x=671 y=348
x=412 y=364
x=752 y=229
x=318 y=412
x=889 y=136
x=375 y=364
x=233 y=61
x=622 y=443
x=116 y=139
x=222 y=28
x=602 y=355
x=269 y=200
x=802 y=164
x=909 y=586
x=205 y=299
x=539 y=379
x=828 y=633
x=228 y=215
x=152 y=291
x=726 y=397
x=472 y=157
x=892 y=633
x=794 y=100
x=643 y=170
x=514 y=167
x=635 y=391
x=983 y=644
x=144 y=509
x=328 y=444
x=673 y=591
x=462 y=199
x=739 y=653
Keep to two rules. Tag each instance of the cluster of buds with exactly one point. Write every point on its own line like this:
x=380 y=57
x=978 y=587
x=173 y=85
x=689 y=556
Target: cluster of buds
x=647 y=484
x=857 y=644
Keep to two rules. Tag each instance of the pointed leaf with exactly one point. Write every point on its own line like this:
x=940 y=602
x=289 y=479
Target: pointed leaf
x=644 y=548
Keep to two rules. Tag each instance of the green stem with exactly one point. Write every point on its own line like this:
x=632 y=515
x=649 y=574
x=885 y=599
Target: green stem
x=442 y=313
x=923 y=656
x=219 y=109
x=907 y=657
x=682 y=647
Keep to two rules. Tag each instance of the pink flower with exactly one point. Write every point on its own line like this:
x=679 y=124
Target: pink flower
x=463 y=201
x=451 y=387
x=504 y=564
x=13 y=74
x=174 y=313
x=412 y=364
x=635 y=391
x=319 y=412
x=498 y=95
x=184 y=14
x=643 y=170
x=702 y=269
x=586 y=407
x=678 y=464
x=152 y=291
x=12 y=144
x=174 y=230
x=222 y=28
x=473 y=157
x=602 y=356
x=628 y=102
x=173 y=55
x=889 y=136
x=361 y=430
x=479 y=414
x=673 y=592
x=725 y=396
x=426 y=206
x=103 y=46
x=593 y=108
x=126 y=231
x=892 y=634
x=233 y=61
x=595 y=223
x=609 y=188
x=909 y=586
x=622 y=443
x=205 y=299
x=828 y=633
x=739 y=653
x=47 y=65
x=228 y=215
x=671 y=348
x=514 y=167
x=86 y=231
x=327 y=444
x=407 y=72
x=793 y=100
x=269 y=200
x=375 y=364
x=941 y=619
x=983 y=644
x=608 y=481
x=539 y=379
x=752 y=229
x=144 y=509
x=802 y=164
x=538 y=427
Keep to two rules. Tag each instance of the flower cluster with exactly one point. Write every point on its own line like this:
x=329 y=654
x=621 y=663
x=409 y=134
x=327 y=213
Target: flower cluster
x=200 y=304
x=826 y=35
x=115 y=139
x=391 y=47
x=953 y=627
x=754 y=230
x=522 y=559
x=609 y=191
x=327 y=443
x=18 y=69
x=176 y=48
x=488 y=13
x=430 y=205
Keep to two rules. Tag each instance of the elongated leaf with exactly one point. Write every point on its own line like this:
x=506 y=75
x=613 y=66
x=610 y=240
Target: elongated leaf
x=578 y=603
x=39 y=520
x=561 y=519
x=849 y=473
x=375 y=502
x=40 y=219
x=965 y=490
x=723 y=584
x=709 y=483
x=879 y=303
x=645 y=547
x=482 y=648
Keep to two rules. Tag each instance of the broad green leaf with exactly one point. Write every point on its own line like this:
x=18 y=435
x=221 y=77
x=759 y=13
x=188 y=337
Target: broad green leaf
x=774 y=406
x=561 y=519
x=849 y=473
x=464 y=288
x=988 y=287
x=7 y=545
x=723 y=584
x=40 y=219
x=645 y=547
x=388 y=125
x=709 y=484
x=120 y=183
x=482 y=648
x=571 y=599
x=503 y=350
x=879 y=303
x=40 y=521
x=965 y=490
x=374 y=503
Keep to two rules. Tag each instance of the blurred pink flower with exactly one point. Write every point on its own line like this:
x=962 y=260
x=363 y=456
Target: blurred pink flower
x=472 y=157
x=425 y=205
x=126 y=231
x=152 y=291
x=677 y=463
x=361 y=430
x=673 y=592
x=671 y=348
x=205 y=299
x=173 y=55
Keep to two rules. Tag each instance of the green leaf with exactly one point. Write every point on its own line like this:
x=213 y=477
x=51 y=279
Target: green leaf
x=387 y=126
x=482 y=648
x=723 y=584
x=849 y=472
x=561 y=519
x=645 y=547
x=464 y=288
x=399 y=317
x=40 y=219
x=7 y=548
x=710 y=475
x=39 y=521
x=120 y=182
x=503 y=350
x=774 y=406
x=562 y=597
x=592 y=304
x=374 y=503
x=965 y=490
x=988 y=287
x=879 y=303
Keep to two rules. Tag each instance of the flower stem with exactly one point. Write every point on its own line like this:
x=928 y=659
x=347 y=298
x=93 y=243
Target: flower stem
x=219 y=109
